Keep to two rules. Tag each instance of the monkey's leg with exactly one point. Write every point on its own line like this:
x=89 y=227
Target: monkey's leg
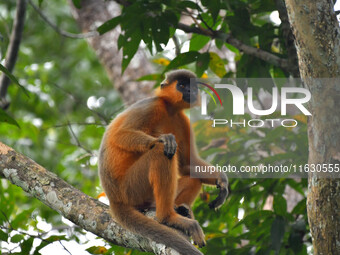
x=163 y=179
x=187 y=190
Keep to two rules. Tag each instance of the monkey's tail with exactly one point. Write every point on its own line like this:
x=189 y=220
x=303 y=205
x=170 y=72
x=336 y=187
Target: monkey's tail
x=137 y=222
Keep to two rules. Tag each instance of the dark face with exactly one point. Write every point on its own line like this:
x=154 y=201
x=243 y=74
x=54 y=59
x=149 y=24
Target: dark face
x=190 y=92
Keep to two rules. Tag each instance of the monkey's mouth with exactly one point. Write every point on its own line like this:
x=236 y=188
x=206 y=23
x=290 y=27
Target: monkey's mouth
x=190 y=98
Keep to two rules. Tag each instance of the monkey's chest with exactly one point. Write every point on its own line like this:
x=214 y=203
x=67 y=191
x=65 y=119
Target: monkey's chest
x=182 y=138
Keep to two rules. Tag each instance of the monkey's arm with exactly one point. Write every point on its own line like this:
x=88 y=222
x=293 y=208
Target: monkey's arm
x=195 y=163
x=131 y=131
x=132 y=140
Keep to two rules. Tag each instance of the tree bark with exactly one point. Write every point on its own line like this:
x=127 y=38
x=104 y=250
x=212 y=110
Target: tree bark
x=91 y=15
x=317 y=34
x=82 y=210
x=288 y=37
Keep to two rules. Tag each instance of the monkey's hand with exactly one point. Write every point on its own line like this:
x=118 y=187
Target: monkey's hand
x=222 y=185
x=170 y=144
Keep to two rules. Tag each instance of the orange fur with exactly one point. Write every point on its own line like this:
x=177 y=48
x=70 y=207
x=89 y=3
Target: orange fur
x=136 y=173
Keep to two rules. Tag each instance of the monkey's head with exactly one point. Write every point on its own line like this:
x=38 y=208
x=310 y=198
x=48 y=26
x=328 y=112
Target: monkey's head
x=177 y=89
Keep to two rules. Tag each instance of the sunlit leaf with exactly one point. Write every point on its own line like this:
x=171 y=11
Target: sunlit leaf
x=17 y=238
x=216 y=65
x=197 y=42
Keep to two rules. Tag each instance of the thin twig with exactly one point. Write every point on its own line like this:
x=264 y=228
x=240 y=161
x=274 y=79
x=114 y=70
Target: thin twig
x=75 y=123
x=60 y=31
x=38 y=236
x=77 y=140
x=65 y=247
x=208 y=32
x=101 y=116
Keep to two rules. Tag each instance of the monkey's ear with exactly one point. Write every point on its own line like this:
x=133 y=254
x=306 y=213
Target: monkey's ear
x=164 y=83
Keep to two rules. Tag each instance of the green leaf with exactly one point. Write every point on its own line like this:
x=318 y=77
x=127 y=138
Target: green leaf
x=150 y=77
x=4 y=117
x=170 y=18
x=17 y=238
x=257 y=215
x=22 y=218
x=216 y=65
x=197 y=42
x=3 y=236
x=56 y=238
x=202 y=63
x=188 y=4
x=12 y=78
x=219 y=43
x=300 y=208
x=183 y=59
x=77 y=3
x=129 y=49
x=39 y=247
x=26 y=246
x=160 y=33
x=266 y=36
x=109 y=25
x=232 y=48
x=263 y=6
x=277 y=233
x=295 y=242
x=97 y=250
x=280 y=205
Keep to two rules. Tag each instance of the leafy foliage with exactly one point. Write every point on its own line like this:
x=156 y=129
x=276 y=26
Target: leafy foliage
x=66 y=84
x=154 y=23
x=71 y=100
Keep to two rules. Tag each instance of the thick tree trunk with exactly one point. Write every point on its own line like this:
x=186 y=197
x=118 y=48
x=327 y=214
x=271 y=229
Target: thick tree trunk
x=92 y=14
x=317 y=34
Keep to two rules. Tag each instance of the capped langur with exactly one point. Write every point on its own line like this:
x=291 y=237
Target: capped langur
x=145 y=159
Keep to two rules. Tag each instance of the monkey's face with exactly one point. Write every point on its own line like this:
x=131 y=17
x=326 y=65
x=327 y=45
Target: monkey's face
x=189 y=91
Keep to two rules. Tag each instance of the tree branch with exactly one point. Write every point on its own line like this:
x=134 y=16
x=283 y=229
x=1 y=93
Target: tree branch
x=13 y=49
x=60 y=31
x=228 y=38
x=82 y=210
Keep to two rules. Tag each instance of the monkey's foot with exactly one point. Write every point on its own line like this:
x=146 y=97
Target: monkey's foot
x=185 y=211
